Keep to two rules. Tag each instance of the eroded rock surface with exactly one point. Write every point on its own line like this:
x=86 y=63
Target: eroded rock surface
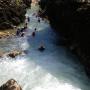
x=11 y=85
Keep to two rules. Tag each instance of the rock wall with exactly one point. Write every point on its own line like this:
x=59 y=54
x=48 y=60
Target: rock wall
x=11 y=85
x=12 y=12
x=71 y=18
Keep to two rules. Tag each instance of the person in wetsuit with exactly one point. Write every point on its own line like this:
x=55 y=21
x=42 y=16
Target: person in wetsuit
x=18 y=32
x=42 y=47
x=39 y=20
x=33 y=34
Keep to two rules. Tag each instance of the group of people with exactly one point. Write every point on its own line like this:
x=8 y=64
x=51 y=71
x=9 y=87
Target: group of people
x=21 y=31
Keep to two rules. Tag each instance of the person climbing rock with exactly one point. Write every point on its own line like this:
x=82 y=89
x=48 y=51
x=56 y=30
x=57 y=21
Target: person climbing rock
x=33 y=33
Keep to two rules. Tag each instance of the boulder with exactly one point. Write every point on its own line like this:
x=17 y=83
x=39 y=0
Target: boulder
x=11 y=85
x=14 y=53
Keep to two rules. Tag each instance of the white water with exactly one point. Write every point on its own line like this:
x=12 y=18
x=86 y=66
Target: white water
x=53 y=69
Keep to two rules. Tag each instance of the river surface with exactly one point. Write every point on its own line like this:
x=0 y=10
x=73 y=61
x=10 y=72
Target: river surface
x=54 y=69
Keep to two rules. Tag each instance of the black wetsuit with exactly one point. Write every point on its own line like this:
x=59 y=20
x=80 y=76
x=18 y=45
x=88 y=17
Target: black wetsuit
x=18 y=32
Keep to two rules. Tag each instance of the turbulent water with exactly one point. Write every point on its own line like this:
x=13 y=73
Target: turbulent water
x=54 y=69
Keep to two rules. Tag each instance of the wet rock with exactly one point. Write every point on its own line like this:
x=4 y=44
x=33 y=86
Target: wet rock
x=71 y=19
x=1 y=54
x=11 y=85
x=14 y=53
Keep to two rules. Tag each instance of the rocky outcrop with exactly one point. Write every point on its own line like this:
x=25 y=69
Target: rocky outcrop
x=72 y=20
x=14 y=53
x=11 y=85
x=11 y=13
x=27 y=2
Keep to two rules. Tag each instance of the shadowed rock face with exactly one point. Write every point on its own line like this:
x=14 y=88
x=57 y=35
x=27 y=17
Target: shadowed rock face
x=11 y=85
x=27 y=2
x=11 y=13
x=72 y=20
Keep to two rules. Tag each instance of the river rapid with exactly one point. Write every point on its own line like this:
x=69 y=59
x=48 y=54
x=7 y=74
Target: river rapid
x=54 y=69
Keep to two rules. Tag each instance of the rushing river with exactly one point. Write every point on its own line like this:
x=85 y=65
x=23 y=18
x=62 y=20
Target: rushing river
x=54 y=69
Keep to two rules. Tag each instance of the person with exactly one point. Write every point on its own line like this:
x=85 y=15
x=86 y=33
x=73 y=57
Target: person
x=34 y=14
x=35 y=29
x=22 y=29
x=42 y=47
x=33 y=34
x=22 y=34
x=26 y=25
x=38 y=20
x=18 y=32
x=28 y=19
